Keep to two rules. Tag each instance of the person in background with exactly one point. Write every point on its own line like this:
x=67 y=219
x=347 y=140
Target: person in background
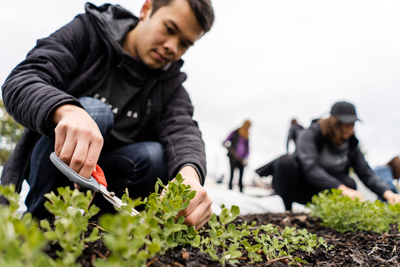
x=324 y=154
x=294 y=130
x=389 y=172
x=237 y=144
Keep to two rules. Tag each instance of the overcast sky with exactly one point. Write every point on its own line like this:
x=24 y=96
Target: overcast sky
x=267 y=61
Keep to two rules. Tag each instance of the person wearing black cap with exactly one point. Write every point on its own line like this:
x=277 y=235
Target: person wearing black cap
x=324 y=154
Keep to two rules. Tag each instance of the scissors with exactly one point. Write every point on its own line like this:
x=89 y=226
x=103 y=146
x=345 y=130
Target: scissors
x=97 y=182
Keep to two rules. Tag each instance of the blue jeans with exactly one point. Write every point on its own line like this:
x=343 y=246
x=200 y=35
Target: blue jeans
x=135 y=166
x=385 y=174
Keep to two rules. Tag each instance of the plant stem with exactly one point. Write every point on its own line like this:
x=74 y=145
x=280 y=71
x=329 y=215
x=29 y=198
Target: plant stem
x=274 y=260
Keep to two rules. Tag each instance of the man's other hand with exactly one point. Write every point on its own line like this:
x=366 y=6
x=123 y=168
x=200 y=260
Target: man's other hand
x=78 y=139
x=199 y=210
x=391 y=197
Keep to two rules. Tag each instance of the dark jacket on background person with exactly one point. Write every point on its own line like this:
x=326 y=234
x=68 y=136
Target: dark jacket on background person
x=309 y=147
x=293 y=134
x=71 y=63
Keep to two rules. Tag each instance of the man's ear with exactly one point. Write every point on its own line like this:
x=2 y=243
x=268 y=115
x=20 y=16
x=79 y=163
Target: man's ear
x=147 y=8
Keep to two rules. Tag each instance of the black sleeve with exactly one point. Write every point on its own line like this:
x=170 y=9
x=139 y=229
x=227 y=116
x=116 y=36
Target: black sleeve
x=180 y=135
x=35 y=87
x=314 y=173
x=366 y=175
x=290 y=136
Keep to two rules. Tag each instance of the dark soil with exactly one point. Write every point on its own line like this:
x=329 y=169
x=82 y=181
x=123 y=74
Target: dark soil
x=350 y=249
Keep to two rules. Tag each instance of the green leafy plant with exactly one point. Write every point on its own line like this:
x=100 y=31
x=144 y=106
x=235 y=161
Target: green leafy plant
x=276 y=244
x=133 y=242
x=10 y=132
x=176 y=197
x=344 y=214
x=21 y=241
x=128 y=239
x=222 y=231
x=72 y=212
x=252 y=250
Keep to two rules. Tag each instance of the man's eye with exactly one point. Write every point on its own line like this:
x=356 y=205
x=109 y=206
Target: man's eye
x=170 y=30
x=185 y=45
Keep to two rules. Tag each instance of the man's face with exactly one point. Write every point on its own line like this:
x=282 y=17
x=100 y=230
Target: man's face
x=165 y=36
x=347 y=130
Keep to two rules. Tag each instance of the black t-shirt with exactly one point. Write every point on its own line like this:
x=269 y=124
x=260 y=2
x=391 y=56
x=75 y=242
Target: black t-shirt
x=121 y=91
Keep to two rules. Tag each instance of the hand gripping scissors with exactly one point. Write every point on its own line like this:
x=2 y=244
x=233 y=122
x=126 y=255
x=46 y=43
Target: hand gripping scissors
x=97 y=182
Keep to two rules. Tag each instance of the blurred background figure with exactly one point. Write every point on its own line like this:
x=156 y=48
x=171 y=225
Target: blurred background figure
x=237 y=144
x=389 y=172
x=294 y=130
x=324 y=154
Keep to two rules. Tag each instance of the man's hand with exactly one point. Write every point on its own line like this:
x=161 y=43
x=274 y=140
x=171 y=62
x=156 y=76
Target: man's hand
x=391 y=197
x=78 y=139
x=350 y=192
x=199 y=210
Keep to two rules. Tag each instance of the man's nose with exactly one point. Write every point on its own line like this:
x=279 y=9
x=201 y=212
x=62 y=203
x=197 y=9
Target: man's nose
x=171 y=45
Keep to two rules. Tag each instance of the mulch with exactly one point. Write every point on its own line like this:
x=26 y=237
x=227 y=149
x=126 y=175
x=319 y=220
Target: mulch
x=350 y=249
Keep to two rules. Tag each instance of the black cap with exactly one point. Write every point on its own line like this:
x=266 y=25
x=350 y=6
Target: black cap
x=345 y=112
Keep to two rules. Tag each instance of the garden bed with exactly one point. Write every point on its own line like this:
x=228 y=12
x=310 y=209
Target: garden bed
x=349 y=249
x=366 y=233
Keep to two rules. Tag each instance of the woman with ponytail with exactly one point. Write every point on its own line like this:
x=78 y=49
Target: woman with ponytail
x=237 y=144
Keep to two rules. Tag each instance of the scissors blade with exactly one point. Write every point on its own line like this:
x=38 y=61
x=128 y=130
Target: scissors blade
x=117 y=202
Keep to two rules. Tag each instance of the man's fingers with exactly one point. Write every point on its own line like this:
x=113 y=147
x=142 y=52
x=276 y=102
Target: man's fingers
x=79 y=157
x=203 y=222
x=206 y=217
x=194 y=203
x=67 y=150
x=61 y=135
x=186 y=212
x=77 y=186
x=91 y=158
x=200 y=214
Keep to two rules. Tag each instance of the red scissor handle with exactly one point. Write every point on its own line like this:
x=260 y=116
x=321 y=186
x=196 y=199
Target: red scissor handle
x=98 y=174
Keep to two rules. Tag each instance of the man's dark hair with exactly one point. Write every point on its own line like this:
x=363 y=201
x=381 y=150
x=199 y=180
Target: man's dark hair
x=201 y=8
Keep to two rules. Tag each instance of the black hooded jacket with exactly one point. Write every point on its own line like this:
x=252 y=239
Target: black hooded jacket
x=68 y=65
x=310 y=143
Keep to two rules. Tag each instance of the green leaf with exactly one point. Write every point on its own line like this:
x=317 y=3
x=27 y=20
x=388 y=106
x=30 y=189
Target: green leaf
x=94 y=235
x=45 y=225
x=51 y=236
x=235 y=210
x=246 y=245
x=181 y=220
x=191 y=195
x=154 y=248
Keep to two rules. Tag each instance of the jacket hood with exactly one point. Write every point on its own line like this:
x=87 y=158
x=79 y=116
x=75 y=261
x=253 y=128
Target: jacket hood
x=114 y=22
